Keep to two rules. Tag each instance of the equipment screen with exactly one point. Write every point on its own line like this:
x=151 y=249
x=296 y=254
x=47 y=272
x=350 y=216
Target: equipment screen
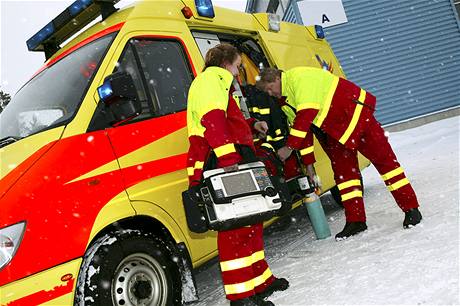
x=239 y=183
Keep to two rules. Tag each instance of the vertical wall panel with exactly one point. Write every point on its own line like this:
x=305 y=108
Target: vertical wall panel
x=407 y=52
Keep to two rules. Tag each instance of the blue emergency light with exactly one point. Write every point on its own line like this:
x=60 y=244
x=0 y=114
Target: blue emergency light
x=40 y=36
x=319 y=31
x=204 y=8
x=78 y=6
x=105 y=91
x=68 y=22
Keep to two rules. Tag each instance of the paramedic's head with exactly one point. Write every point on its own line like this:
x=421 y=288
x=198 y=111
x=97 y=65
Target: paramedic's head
x=270 y=81
x=225 y=56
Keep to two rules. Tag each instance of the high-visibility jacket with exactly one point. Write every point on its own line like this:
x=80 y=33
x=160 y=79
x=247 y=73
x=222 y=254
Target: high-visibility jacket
x=215 y=122
x=318 y=97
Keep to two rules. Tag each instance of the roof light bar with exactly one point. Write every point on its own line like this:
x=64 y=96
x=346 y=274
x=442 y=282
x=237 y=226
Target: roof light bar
x=68 y=22
x=79 y=6
x=41 y=36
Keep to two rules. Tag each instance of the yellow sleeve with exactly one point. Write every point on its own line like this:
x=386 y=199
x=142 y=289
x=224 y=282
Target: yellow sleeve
x=307 y=92
x=206 y=95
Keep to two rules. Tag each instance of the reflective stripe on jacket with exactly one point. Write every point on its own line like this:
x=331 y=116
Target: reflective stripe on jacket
x=331 y=103
x=214 y=122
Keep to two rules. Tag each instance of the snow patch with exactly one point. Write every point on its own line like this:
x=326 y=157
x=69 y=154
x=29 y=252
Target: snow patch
x=385 y=265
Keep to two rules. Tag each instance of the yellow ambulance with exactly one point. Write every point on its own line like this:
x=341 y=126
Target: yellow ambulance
x=90 y=189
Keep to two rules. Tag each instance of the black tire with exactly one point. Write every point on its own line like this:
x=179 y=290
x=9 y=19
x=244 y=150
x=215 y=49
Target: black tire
x=128 y=267
x=336 y=194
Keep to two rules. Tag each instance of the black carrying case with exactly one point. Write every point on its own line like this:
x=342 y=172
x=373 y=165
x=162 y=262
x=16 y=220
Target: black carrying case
x=198 y=212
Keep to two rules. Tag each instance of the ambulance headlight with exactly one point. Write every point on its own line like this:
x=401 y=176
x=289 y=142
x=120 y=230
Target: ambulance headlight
x=274 y=22
x=10 y=239
x=204 y=8
x=319 y=31
x=105 y=91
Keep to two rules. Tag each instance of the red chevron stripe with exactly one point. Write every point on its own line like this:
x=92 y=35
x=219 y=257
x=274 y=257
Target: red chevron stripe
x=43 y=296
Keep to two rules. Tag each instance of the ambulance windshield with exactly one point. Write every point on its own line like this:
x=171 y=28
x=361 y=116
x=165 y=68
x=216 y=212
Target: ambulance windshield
x=53 y=96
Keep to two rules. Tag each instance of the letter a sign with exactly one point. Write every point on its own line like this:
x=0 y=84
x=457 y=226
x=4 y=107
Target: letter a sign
x=325 y=13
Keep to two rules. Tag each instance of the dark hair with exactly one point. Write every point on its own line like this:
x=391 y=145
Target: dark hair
x=269 y=75
x=220 y=55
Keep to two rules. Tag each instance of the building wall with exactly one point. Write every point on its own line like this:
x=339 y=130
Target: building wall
x=406 y=52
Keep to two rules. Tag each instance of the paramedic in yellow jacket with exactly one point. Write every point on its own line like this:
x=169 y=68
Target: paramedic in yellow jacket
x=344 y=114
x=216 y=125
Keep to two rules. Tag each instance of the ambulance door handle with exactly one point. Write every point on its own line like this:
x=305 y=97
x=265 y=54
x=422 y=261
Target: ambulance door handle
x=94 y=182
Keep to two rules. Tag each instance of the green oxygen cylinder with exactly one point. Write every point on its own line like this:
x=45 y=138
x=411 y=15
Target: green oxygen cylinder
x=315 y=210
x=317 y=217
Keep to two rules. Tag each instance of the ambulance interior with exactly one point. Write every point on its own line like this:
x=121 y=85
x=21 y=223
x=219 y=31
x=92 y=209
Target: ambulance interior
x=252 y=55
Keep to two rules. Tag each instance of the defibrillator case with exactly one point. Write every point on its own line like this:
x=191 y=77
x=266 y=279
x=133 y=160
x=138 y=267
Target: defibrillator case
x=228 y=200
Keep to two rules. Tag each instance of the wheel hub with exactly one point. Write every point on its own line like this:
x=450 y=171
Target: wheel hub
x=139 y=280
x=142 y=289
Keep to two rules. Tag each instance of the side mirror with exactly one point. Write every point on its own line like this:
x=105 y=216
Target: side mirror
x=119 y=95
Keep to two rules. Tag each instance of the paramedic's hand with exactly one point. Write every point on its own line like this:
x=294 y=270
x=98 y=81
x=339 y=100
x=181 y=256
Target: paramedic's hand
x=314 y=178
x=262 y=128
x=231 y=168
x=284 y=153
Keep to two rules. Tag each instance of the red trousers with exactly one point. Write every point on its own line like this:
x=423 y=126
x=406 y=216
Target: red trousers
x=241 y=252
x=242 y=262
x=374 y=145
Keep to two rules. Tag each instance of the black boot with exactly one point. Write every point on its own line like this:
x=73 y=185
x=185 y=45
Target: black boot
x=350 y=229
x=412 y=218
x=279 y=284
x=254 y=300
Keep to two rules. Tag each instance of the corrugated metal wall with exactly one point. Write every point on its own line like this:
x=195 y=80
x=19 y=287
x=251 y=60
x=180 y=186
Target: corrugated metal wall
x=292 y=13
x=406 y=52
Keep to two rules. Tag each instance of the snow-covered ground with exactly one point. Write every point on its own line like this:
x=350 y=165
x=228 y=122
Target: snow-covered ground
x=386 y=265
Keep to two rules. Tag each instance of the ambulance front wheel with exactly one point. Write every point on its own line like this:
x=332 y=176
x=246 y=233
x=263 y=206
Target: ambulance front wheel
x=128 y=268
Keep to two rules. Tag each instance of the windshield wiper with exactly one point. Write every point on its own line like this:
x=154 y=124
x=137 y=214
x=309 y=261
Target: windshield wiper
x=8 y=140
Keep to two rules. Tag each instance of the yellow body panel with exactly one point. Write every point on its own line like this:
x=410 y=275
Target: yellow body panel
x=14 y=154
x=116 y=209
x=295 y=46
x=44 y=282
x=66 y=299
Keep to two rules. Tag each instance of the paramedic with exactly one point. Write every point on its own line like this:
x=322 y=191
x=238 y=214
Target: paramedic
x=216 y=126
x=344 y=114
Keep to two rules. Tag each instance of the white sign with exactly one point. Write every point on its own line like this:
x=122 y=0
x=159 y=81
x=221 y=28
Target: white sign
x=325 y=13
